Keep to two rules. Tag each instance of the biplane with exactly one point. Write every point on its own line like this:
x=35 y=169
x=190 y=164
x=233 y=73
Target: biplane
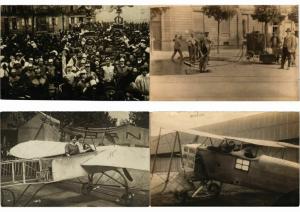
x=206 y=165
x=44 y=162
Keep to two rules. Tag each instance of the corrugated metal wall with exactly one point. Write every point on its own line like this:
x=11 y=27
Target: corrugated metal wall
x=276 y=126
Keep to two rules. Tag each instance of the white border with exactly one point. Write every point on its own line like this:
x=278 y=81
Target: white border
x=152 y=106
x=148 y=2
x=10 y=105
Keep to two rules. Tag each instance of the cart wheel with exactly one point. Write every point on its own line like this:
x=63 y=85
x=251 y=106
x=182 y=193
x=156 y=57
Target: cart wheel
x=86 y=189
x=7 y=197
x=127 y=199
x=213 y=189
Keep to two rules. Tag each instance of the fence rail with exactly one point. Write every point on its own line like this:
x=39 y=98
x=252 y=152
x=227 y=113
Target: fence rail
x=26 y=171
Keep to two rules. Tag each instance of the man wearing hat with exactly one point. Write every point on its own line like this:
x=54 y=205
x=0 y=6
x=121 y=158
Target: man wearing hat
x=288 y=48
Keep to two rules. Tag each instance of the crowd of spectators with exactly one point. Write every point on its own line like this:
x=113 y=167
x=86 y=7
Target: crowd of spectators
x=90 y=61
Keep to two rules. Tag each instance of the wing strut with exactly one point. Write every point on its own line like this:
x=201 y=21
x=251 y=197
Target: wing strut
x=156 y=151
x=177 y=138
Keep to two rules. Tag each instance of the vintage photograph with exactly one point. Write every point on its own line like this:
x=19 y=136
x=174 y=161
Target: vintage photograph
x=52 y=52
x=224 y=158
x=223 y=52
x=75 y=159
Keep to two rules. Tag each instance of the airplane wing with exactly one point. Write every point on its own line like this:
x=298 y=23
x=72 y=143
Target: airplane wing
x=38 y=149
x=115 y=156
x=257 y=142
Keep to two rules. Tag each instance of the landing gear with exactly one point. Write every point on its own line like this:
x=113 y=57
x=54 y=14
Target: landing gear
x=86 y=188
x=214 y=189
x=207 y=189
x=126 y=197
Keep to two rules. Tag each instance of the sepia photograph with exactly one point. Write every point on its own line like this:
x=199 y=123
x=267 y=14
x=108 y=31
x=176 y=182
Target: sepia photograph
x=75 y=159
x=224 y=53
x=224 y=158
x=81 y=52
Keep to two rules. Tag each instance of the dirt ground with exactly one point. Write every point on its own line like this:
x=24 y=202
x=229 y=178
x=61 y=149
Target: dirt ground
x=230 y=196
x=68 y=193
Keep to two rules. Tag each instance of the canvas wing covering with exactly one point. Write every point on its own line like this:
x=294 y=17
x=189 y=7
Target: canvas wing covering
x=109 y=157
x=38 y=149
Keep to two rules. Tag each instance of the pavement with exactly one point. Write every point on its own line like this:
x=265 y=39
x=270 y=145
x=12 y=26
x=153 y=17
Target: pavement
x=231 y=77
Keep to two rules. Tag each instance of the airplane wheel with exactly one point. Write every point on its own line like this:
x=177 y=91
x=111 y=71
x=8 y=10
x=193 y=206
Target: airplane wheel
x=181 y=197
x=127 y=199
x=7 y=198
x=214 y=189
x=86 y=189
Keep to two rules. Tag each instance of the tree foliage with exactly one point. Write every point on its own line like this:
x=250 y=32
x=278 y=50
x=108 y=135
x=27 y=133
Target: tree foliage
x=294 y=16
x=84 y=119
x=267 y=14
x=220 y=13
x=139 y=119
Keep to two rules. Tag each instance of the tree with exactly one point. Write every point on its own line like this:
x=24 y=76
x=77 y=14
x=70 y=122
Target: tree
x=293 y=16
x=84 y=119
x=219 y=13
x=140 y=119
x=267 y=14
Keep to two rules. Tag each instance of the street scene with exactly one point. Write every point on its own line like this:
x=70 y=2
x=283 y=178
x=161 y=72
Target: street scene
x=224 y=159
x=237 y=56
x=74 y=159
x=75 y=52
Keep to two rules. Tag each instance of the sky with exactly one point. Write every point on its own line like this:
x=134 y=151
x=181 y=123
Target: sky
x=169 y=121
x=134 y=14
x=119 y=115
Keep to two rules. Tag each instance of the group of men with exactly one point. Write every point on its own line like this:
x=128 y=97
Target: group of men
x=91 y=61
x=198 y=49
x=285 y=49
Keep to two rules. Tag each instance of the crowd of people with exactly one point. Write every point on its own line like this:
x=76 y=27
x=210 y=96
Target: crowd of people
x=90 y=61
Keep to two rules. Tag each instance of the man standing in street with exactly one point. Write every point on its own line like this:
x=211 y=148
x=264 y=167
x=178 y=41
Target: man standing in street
x=204 y=51
x=293 y=54
x=275 y=45
x=288 y=48
x=177 y=47
x=192 y=47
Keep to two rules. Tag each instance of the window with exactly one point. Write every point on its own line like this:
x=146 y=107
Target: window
x=242 y=164
x=72 y=20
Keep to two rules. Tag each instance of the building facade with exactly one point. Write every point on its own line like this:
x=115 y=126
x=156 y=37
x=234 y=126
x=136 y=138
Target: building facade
x=166 y=22
x=44 y=18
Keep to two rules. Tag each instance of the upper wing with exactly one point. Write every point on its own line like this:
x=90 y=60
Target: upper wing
x=257 y=142
x=120 y=157
x=38 y=149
